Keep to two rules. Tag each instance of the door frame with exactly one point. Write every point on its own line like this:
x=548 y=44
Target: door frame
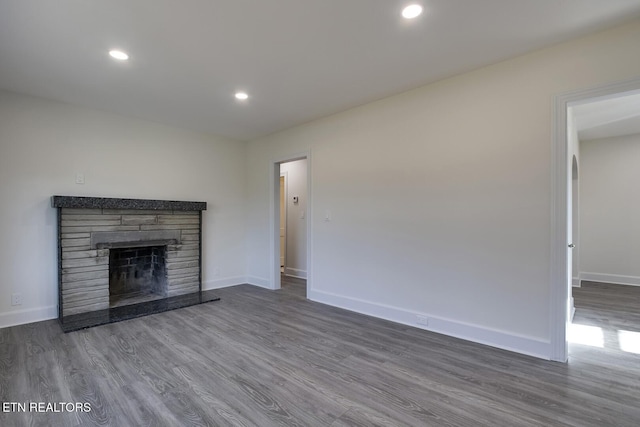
x=560 y=181
x=284 y=175
x=274 y=219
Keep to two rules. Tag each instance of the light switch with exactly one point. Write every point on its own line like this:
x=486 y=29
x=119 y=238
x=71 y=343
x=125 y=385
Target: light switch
x=302 y=215
x=327 y=215
x=79 y=178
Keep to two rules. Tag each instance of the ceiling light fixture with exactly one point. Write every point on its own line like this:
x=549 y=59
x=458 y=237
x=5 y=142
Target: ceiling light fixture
x=118 y=54
x=241 y=96
x=412 y=11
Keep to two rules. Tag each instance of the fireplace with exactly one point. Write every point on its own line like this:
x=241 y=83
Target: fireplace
x=126 y=257
x=137 y=275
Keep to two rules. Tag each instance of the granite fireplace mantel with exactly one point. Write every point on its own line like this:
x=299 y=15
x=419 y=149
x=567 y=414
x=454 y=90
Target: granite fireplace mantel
x=76 y=202
x=90 y=228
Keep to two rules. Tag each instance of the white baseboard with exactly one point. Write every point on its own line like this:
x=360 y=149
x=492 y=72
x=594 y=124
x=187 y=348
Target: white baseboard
x=223 y=283
x=495 y=338
x=610 y=278
x=294 y=272
x=258 y=281
x=575 y=282
x=21 y=317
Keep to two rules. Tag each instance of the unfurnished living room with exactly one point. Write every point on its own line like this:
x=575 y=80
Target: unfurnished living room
x=320 y=213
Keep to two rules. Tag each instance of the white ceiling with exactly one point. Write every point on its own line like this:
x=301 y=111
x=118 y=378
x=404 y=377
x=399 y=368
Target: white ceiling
x=609 y=117
x=298 y=59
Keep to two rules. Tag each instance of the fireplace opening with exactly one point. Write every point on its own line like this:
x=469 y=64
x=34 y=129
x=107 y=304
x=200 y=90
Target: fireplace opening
x=137 y=275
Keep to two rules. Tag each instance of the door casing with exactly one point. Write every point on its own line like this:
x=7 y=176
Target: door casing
x=561 y=182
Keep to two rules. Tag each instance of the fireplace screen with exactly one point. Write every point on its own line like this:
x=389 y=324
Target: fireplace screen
x=137 y=275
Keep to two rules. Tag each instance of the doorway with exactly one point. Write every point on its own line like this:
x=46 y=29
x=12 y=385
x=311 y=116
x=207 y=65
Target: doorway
x=563 y=219
x=608 y=132
x=291 y=223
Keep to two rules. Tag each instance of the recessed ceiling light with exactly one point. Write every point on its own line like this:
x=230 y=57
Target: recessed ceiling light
x=412 y=11
x=118 y=54
x=241 y=96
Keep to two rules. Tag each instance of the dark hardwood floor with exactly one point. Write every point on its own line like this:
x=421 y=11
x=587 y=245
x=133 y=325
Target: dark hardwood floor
x=265 y=358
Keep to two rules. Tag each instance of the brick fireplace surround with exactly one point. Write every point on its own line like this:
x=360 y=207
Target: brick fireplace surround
x=89 y=228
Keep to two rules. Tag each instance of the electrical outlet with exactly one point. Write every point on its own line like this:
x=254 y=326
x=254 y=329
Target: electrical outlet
x=216 y=271
x=79 y=178
x=422 y=320
x=16 y=299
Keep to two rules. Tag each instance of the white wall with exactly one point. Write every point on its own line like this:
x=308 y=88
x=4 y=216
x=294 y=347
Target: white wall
x=610 y=210
x=440 y=196
x=42 y=146
x=296 y=253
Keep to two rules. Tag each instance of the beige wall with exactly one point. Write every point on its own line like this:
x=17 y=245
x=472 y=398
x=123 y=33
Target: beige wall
x=440 y=196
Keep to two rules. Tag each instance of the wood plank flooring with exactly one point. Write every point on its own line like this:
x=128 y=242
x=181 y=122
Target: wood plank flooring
x=265 y=358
